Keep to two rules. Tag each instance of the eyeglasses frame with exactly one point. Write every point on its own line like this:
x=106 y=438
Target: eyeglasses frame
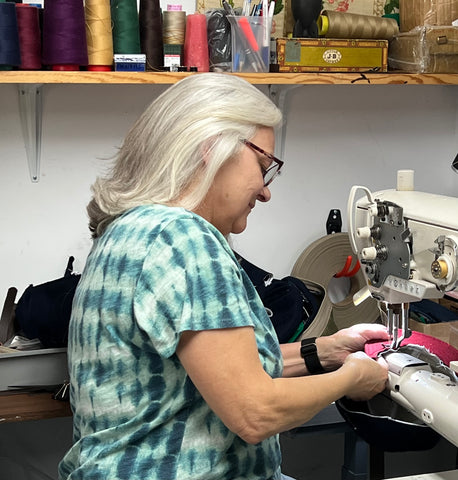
x=277 y=162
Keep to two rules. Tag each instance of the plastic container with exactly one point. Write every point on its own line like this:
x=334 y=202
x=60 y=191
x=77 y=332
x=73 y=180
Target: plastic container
x=250 y=43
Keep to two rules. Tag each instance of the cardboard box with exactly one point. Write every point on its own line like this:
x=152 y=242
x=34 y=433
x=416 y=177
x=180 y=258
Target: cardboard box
x=450 y=303
x=415 y=13
x=331 y=55
x=445 y=331
x=425 y=50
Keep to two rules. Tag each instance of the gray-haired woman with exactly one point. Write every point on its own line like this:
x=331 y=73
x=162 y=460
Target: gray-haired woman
x=176 y=370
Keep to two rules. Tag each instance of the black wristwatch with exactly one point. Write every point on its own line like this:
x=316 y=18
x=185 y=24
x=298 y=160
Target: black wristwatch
x=310 y=356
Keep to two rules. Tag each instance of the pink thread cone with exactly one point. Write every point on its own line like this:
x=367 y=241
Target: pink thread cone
x=196 y=43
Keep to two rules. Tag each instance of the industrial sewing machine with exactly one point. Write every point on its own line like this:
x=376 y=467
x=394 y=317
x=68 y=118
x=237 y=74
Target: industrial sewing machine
x=407 y=244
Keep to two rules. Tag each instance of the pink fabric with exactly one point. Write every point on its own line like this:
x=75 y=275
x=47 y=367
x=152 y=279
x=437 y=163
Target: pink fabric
x=441 y=349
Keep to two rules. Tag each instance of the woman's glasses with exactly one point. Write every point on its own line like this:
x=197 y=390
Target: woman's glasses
x=270 y=173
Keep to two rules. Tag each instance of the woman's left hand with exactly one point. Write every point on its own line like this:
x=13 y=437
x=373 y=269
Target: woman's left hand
x=334 y=349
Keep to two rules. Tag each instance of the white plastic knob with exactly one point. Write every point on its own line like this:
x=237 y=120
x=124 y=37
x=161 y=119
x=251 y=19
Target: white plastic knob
x=369 y=253
x=363 y=232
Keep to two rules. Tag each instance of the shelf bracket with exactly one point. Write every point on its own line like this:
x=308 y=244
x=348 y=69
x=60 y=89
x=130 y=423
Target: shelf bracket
x=30 y=109
x=279 y=95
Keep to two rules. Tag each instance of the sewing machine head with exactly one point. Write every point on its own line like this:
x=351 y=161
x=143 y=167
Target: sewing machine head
x=407 y=243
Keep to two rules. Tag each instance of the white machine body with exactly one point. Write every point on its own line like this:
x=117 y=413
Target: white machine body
x=412 y=252
x=407 y=244
x=430 y=396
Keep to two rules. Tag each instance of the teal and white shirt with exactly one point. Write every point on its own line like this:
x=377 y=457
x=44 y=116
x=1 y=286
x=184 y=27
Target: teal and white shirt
x=156 y=272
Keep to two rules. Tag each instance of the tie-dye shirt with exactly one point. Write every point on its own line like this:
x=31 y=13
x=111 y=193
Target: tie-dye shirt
x=156 y=272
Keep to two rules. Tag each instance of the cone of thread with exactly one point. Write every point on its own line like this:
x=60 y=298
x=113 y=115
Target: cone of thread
x=29 y=36
x=126 y=28
x=64 y=34
x=9 y=36
x=196 y=43
x=334 y=24
x=99 y=35
x=151 y=43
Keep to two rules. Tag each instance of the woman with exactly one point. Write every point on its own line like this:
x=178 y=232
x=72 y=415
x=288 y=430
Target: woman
x=176 y=371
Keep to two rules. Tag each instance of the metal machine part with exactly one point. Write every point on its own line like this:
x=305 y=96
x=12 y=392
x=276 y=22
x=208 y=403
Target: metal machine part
x=407 y=243
x=396 y=318
x=426 y=388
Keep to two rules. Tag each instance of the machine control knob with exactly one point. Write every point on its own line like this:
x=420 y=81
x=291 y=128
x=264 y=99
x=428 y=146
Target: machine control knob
x=439 y=269
x=363 y=232
x=369 y=253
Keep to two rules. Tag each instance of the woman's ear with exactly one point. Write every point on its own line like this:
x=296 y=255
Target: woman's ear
x=206 y=149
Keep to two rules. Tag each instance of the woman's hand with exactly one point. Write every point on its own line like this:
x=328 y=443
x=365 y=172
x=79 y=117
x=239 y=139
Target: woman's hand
x=369 y=377
x=334 y=349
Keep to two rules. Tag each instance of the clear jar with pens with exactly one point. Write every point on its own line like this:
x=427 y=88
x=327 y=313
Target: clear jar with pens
x=250 y=43
x=250 y=34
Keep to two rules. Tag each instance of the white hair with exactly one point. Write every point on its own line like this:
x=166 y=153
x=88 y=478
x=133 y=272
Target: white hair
x=203 y=115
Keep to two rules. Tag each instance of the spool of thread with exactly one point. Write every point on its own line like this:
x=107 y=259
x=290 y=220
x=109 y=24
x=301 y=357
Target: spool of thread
x=196 y=43
x=64 y=35
x=99 y=35
x=318 y=263
x=29 y=36
x=151 y=43
x=10 y=55
x=174 y=27
x=126 y=28
x=333 y=24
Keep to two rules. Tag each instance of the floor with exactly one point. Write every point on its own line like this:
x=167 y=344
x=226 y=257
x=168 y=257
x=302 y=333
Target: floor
x=31 y=450
x=320 y=456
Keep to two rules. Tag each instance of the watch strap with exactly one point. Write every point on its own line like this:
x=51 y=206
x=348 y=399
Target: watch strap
x=310 y=355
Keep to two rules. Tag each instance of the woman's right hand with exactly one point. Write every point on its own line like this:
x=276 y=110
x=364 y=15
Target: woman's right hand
x=368 y=377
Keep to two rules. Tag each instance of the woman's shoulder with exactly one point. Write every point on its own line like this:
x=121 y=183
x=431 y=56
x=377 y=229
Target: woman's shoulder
x=173 y=223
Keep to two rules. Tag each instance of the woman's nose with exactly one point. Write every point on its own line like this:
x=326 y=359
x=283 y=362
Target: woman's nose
x=264 y=195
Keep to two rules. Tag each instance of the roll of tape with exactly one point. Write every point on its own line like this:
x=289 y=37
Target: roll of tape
x=318 y=263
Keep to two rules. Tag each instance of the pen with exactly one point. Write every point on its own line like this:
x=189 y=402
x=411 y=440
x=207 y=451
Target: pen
x=265 y=23
x=271 y=14
x=246 y=7
x=271 y=10
x=248 y=32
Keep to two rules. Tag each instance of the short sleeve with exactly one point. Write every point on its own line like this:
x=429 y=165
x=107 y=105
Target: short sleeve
x=190 y=281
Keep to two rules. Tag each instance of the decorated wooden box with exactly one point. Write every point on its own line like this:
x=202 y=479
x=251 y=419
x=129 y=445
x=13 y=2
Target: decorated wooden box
x=331 y=55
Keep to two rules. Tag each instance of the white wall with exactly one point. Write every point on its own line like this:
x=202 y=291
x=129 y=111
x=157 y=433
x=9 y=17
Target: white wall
x=337 y=136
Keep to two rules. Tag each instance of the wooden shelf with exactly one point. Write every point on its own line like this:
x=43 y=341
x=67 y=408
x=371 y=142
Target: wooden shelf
x=18 y=407
x=30 y=84
x=139 y=78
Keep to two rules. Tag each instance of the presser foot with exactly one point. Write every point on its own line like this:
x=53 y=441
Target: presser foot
x=395 y=343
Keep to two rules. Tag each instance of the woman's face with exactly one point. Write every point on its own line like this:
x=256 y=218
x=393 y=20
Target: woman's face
x=237 y=186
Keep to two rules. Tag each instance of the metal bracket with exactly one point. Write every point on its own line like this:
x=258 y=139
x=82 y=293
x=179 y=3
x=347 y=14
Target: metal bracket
x=278 y=94
x=30 y=109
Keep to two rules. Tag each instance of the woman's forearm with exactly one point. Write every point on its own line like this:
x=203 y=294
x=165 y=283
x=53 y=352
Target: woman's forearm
x=293 y=363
